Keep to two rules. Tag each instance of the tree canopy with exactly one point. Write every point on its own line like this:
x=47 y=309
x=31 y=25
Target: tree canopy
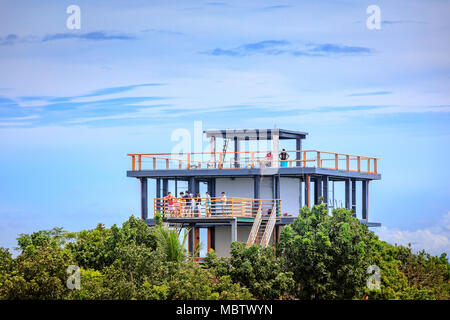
x=319 y=256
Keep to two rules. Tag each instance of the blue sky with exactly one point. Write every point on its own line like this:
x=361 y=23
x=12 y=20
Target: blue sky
x=73 y=103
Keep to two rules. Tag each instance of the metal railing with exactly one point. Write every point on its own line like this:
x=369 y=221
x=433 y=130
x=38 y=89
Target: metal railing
x=215 y=207
x=253 y=159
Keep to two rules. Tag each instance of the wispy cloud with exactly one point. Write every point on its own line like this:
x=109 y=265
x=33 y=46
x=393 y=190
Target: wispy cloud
x=435 y=240
x=92 y=36
x=13 y=39
x=277 y=47
x=402 y=22
x=276 y=7
x=373 y=93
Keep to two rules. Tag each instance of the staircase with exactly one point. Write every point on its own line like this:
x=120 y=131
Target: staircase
x=262 y=228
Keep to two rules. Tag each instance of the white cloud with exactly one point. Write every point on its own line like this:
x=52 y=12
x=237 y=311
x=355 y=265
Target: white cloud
x=434 y=240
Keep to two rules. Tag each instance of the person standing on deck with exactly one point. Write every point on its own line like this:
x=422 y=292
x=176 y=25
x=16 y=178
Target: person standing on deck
x=187 y=202
x=283 y=157
x=198 y=204
x=169 y=203
x=223 y=200
x=207 y=204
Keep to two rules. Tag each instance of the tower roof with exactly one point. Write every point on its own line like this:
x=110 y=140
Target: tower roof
x=255 y=134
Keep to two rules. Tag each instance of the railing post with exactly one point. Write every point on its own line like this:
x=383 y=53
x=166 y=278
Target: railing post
x=319 y=164
x=133 y=163
x=347 y=160
x=368 y=164
x=359 y=163
x=253 y=159
x=336 y=161
x=304 y=159
x=139 y=161
x=154 y=163
x=180 y=164
x=188 y=161
x=375 y=168
x=167 y=163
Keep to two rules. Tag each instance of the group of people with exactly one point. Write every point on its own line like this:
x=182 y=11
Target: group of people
x=188 y=204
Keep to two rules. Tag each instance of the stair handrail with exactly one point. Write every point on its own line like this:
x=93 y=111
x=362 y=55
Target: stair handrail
x=255 y=227
x=270 y=225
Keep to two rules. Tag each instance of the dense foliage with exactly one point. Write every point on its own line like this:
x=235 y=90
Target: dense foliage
x=319 y=256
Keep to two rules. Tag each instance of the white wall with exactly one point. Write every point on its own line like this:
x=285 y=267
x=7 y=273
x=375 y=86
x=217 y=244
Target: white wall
x=290 y=192
x=223 y=238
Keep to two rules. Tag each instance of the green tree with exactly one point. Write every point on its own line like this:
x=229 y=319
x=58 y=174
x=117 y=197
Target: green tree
x=255 y=268
x=328 y=255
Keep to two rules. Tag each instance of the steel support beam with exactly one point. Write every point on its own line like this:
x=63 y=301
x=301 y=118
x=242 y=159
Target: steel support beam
x=317 y=189
x=325 y=189
x=354 y=197
x=165 y=187
x=298 y=155
x=144 y=198
x=365 y=201
x=348 y=194
x=308 y=191
x=234 y=230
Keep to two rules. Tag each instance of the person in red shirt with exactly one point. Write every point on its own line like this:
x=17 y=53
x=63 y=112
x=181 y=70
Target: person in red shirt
x=170 y=201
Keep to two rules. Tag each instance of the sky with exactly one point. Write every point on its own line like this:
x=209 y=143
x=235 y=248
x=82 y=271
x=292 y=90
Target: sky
x=74 y=102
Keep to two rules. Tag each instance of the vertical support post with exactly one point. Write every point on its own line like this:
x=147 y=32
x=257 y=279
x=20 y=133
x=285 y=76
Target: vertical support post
x=308 y=191
x=196 y=186
x=191 y=239
x=325 y=189
x=234 y=230
x=176 y=187
x=298 y=147
x=300 y=193
x=133 y=163
x=165 y=187
x=159 y=203
x=144 y=199
x=364 y=199
x=354 y=197
x=347 y=194
x=212 y=187
x=139 y=162
x=212 y=145
x=211 y=238
x=196 y=238
x=191 y=185
x=275 y=147
x=158 y=188
x=236 y=150
x=317 y=190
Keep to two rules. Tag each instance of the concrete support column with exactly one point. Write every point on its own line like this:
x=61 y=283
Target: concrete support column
x=237 y=148
x=347 y=194
x=308 y=191
x=256 y=187
x=365 y=200
x=196 y=186
x=211 y=238
x=325 y=189
x=298 y=155
x=191 y=239
x=196 y=238
x=212 y=187
x=165 y=187
x=317 y=190
x=354 y=197
x=234 y=230
x=212 y=145
x=300 y=193
x=191 y=185
x=275 y=148
x=144 y=198
x=158 y=188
